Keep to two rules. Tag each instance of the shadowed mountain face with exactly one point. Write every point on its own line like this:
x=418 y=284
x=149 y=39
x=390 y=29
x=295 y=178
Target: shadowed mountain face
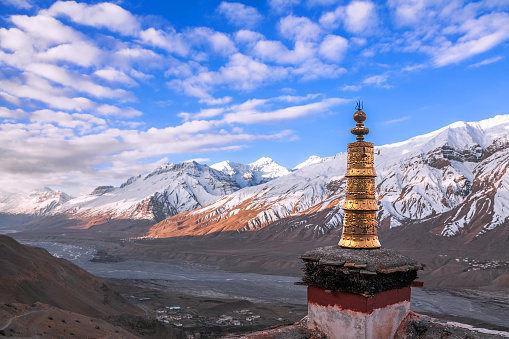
x=29 y=275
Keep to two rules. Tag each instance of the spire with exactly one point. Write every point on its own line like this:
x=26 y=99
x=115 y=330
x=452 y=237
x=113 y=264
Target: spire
x=359 y=221
x=360 y=131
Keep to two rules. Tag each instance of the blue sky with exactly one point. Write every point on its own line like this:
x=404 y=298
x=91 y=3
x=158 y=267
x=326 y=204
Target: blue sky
x=94 y=92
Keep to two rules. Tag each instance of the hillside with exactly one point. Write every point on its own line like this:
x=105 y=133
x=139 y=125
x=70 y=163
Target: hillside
x=44 y=296
x=29 y=275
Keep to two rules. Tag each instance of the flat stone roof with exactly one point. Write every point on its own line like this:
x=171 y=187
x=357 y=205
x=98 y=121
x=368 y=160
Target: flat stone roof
x=362 y=271
x=365 y=261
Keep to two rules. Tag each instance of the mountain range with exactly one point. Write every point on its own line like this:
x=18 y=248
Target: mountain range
x=456 y=176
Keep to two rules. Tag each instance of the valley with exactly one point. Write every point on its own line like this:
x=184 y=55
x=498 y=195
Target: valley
x=235 y=232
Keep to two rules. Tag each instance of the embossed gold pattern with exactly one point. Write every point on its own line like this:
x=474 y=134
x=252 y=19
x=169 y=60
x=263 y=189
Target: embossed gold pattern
x=360 y=188
x=359 y=221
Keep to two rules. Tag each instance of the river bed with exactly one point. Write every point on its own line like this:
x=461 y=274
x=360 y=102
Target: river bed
x=206 y=281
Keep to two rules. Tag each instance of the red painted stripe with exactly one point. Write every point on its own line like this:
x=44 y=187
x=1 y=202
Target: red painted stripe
x=357 y=302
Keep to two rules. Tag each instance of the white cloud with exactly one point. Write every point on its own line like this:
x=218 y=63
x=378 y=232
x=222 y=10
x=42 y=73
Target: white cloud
x=10 y=98
x=127 y=112
x=126 y=57
x=316 y=69
x=360 y=16
x=240 y=15
x=450 y=31
x=333 y=47
x=295 y=99
x=216 y=101
x=415 y=67
x=115 y=76
x=247 y=36
x=82 y=122
x=408 y=12
x=221 y=43
x=22 y=4
x=169 y=40
x=205 y=113
x=12 y=114
x=379 y=80
x=79 y=53
x=352 y=88
x=33 y=87
x=46 y=29
x=250 y=116
x=331 y=20
x=103 y=15
x=15 y=40
x=242 y=72
x=480 y=35
x=245 y=73
x=217 y=41
x=281 y=6
x=487 y=61
x=393 y=121
x=76 y=81
x=271 y=50
x=298 y=28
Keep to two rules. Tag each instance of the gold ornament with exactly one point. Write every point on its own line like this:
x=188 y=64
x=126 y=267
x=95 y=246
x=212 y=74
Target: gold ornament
x=359 y=221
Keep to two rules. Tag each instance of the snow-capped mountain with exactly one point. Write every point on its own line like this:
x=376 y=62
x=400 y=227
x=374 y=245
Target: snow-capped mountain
x=37 y=203
x=168 y=190
x=258 y=172
x=314 y=159
x=457 y=176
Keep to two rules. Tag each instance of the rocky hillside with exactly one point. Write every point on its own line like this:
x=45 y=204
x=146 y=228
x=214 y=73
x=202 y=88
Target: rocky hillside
x=29 y=275
x=47 y=297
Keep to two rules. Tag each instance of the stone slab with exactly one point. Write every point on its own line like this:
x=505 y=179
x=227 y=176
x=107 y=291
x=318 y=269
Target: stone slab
x=380 y=260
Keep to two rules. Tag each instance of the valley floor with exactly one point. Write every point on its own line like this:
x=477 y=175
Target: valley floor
x=176 y=276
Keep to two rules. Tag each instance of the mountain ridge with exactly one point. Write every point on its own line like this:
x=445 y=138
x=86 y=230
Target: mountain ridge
x=418 y=179
x=423 y=177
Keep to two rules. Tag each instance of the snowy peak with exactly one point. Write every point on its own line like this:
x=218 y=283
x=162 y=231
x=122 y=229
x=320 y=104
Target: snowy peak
x=168 y=190
x=37 y=202
x=263 y=161
x=459 y=135
x=258 y=172
x=314 y=159
x=268 y=168
x=227 y=167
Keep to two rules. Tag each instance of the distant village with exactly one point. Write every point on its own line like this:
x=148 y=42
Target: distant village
x=181 y=317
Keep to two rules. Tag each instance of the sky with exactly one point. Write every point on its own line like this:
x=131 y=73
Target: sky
x=92 y=93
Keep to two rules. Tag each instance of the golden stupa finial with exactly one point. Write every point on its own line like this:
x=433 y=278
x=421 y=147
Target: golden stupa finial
x=359 y=116
x=359 y=221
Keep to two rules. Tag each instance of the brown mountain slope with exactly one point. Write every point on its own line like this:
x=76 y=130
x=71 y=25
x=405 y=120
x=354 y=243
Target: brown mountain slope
x=29 y=275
